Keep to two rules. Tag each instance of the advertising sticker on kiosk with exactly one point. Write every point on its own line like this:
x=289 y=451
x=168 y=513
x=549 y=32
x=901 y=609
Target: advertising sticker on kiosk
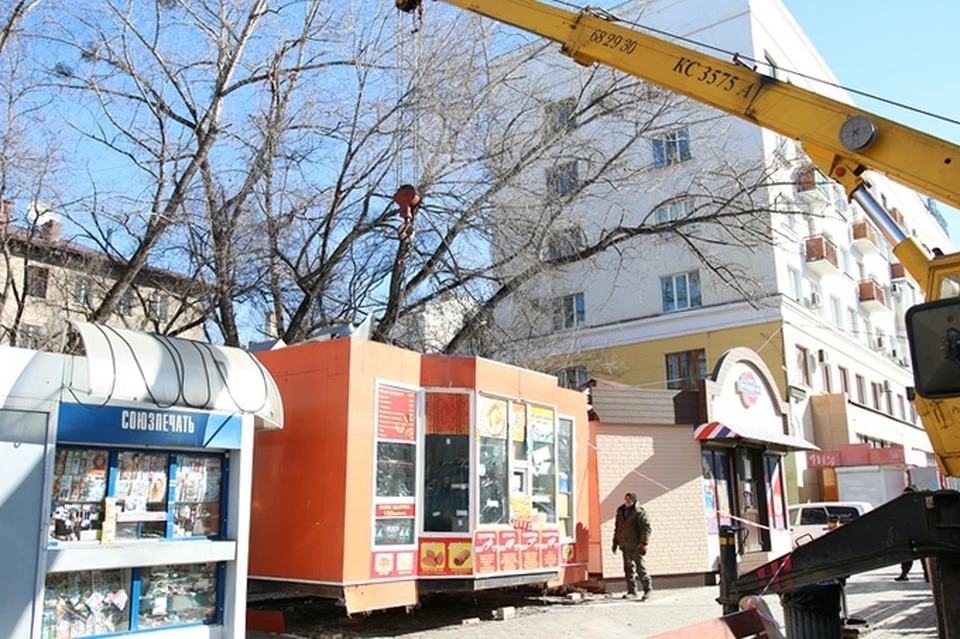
x=394 y=511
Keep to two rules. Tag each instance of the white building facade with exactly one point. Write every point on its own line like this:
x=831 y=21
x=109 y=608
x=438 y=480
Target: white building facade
x=774 y=258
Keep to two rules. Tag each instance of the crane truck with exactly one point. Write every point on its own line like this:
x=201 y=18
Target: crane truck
x=844 y=142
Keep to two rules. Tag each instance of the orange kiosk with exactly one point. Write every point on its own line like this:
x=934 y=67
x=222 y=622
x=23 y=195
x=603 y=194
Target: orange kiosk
x=398 y=474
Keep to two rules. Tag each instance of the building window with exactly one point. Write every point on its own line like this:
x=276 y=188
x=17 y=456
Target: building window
x=795 y=283
x=873 y=441
x=844 y=379
x=854 y=320
x=836 y=311
x=685 y=369
x=680 y=291
x=572 y=376
x=569 y=312
x=565 y=242
x=803 y=365
x=913 y=413
x=901 y=408
x=83 y=292
x=125 y=306
x=563 y=180
x=877 y=392
x=861 y=390
x=845 y=262
x=827 y=381
x=159 y=307
x=561 y=115
x=36 y=281
x=816 y=298
x=672 y=148
x=680 y=209
x=889 y=397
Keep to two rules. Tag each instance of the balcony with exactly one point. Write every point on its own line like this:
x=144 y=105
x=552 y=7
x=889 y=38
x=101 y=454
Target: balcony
x=897 y=216
x=873 y=298
x=866 y=239
x=822 y=256
x=812 y=186
x=897 y=272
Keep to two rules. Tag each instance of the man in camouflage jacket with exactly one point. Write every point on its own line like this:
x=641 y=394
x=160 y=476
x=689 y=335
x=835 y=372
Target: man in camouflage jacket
x=631 y=535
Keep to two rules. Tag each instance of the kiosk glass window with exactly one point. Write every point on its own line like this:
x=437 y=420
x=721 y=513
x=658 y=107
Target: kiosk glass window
x=86 y=603
x=565 y=510
x=396 y=469
x=492 y=469
x=197 y=496
x=543 y=459
x=79 y=488
x=177 y=595
x=446 y=465
x=142 y=493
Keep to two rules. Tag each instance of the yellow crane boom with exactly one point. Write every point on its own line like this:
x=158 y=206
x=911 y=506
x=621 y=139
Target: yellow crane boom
x=841 y=139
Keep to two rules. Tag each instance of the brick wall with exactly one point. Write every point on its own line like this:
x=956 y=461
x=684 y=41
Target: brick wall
x=669 y=455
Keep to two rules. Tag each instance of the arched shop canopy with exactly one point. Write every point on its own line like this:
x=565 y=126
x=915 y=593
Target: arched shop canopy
x=715 y=431
x=128 y=365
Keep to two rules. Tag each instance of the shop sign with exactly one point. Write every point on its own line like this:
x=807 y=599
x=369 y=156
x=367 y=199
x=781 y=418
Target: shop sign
x=485 y=552
x=823 y=458
x=509 y=542
x=550 y=548
x=146 y=426
x=446 y=557
x=396 y=414
x=569 y=554
x=530 y=549
x=392 y=564
x=386 y=511
x=749 y=389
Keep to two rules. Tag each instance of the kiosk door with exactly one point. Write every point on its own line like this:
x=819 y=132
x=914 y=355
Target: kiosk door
x=23 y=442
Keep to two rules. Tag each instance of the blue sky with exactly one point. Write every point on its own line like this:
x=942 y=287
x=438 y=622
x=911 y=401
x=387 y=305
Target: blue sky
x=903 y=51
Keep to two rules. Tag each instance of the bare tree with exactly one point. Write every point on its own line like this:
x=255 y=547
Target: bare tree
x=258 y=149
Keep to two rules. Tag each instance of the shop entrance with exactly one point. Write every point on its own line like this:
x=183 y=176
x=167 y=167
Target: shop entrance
x=752 y=501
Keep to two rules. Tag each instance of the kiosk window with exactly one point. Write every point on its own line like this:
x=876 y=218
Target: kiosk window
x=79 y=487
x=393 y=531
x=493 y=480
x=396 y=466
x=86 y=603
x=544 y=463
x=565 y=509
x=142 y=492
x=196 y=507
x=446 y=463
x=176 y=595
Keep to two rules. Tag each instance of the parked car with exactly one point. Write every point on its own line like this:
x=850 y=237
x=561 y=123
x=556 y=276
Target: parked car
x=811 y=520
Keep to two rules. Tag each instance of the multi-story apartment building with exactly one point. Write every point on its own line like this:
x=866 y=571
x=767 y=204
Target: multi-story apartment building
x=48 y=280
x=819 y=296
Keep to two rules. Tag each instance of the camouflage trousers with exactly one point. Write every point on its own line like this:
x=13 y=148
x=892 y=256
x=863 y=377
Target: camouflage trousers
x=635 y=570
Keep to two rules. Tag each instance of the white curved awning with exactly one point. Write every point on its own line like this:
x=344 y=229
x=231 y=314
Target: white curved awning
x=167 y=371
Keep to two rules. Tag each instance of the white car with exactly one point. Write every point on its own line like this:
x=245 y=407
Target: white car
x=814 y=519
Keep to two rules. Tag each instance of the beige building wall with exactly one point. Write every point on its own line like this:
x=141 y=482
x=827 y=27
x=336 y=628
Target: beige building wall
x=668 y=455
x=50 y=314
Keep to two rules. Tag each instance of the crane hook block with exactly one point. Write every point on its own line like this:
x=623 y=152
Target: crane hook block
x=407 y=6
x=408 y=200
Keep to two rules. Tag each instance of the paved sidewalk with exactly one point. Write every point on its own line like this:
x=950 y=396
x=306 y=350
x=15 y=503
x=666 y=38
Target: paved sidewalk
x=893 y=610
